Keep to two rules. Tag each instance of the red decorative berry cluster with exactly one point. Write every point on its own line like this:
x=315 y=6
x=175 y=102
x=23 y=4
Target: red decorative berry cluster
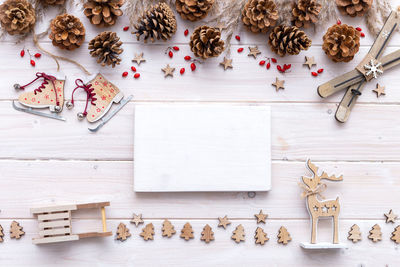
x=133 y=69
x=357 y=28
x=170 y=49
x=31 y=57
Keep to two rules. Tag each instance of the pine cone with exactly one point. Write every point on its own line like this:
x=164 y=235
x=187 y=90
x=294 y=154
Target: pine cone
x=259 y=15
x=206 y=42
x=67 y=32
x=103 y=12
x=156 y=23
x=305 y=13
x=341 y=42
x=193 y=10
x=17 y=16
x=353 y=7
x=106 y=47
x=288 y=39
x=53 y=2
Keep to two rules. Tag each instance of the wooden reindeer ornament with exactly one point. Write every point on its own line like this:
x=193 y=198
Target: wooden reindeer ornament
x=320 y=208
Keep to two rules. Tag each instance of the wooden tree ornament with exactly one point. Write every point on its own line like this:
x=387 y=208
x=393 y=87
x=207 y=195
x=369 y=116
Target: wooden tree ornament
x=122 y=232
x=207 y=235
x=260 y=236
x=168 y=229
x=16 y=230
x=375 y=234
x=284 y=236
x=396 y=235
x=238 y=234
x=147 y=232
x=354 y=234
x=187 y=232
x=1 y=234
x=317 y=209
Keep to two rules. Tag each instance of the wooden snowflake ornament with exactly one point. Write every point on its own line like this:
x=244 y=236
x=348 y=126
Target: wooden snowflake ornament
x=207 y=235
x=147 y=232
x=16 y=230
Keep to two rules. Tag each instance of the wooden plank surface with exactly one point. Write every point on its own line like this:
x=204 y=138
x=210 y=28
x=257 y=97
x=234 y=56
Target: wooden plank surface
x=45 y=162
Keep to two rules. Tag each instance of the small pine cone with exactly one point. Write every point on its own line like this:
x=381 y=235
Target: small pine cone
x=341 y=42
x=106 y=47
x=288 y=39
x=158 y=22
x=193 y=10
x=206 y=42
x=353 y=7
x=17 y=16
x=67 y=32
x=53 y=2
x=305 y=13
x=259 y=15
x=103 y=12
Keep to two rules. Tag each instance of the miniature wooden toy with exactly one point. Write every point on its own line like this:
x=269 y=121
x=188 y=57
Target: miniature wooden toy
x=137 y=219
x=370 y=68
x=284 y=236
x=396 y=235
x=1 y=234
x=207 y=235
x=390 y=217
x=310 y=61
x=375 y=234
x=223 y=221
x=279 y=84
x=238 y=234
x=148 y=232
x=55 y=223
x=260 y=236
x=320 y=208
x=354 y=234
x=261 y=217
x=379 y=90
x=187 y=232
x=122 y=232
x=16 y=230
x=168 y=229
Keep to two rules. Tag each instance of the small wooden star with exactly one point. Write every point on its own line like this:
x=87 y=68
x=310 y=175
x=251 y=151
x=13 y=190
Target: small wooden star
x=279 y=84
x=223 y=222
x=310 y=62
x=254 y=51
x=138 y=58
x=227 y=63
x=261 y=217
x=390 y=217
x=168 y=71
x=137 y=219
x=380 y=90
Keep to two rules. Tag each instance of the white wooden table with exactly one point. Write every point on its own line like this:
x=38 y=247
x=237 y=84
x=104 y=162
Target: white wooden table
x=43 y=161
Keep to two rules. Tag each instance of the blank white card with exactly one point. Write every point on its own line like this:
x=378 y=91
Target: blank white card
x=202 y=147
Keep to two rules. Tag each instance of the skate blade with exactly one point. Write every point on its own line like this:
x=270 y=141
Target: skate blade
x=38 y=113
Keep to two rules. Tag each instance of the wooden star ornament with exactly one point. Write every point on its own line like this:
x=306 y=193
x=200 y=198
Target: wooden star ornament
x=168 y=71
x=279 y=84
x=261 y=217
x=310 y=61
x=223 y=222
x=227 y=63
x=138 y=58
x=380 y=90
x=137 y=219
x=254 y=51
x=390 y=217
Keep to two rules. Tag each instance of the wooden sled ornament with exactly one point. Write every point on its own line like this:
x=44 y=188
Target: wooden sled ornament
x=320 y=208
x=370 y=68
x=55 y=223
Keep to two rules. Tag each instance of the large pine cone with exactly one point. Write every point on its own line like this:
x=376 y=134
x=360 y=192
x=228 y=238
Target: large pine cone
x=103 y=12
x=17 y=16
x=53 y=2
x=305 y=13
x=158 y=22
x=206 y=42
x=67 y=32
x=106 y=47
x=353 y=7
x=259 y=15
x=341 y=42
x=288 y=40
x=193 y=10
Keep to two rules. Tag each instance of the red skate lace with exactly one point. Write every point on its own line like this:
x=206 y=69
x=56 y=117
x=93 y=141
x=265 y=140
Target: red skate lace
x=46 y=78
x=89 y=91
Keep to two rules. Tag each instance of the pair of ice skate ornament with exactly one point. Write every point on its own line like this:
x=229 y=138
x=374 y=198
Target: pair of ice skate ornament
x=50 y=94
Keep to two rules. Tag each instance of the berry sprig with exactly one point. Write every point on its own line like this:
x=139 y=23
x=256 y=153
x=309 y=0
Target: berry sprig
x=268 y=65
x=186 y=32
x=170 y=49
x=133 y=69
x=319 y=71
x=31 y=61
x=360 y=30
x=193 y=64
x=284 y=68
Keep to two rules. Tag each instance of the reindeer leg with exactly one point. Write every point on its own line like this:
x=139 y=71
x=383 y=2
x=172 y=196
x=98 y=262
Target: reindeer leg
x=314 y=230
x=335 y=229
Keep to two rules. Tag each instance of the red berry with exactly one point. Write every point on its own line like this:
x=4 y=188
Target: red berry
x=320 y=70
x=339 y=22
x=126 y=28
x=285 y=67
x=133 y=69
x=170 y=54
x=175 y=48
x=187 y=58
x=279 y=68
x=359 y=29
x=182 y=71
x=186 y=32
x=314 y=74
x=240 y=50
x=261 y=63
x=22 y=53
x=193 y=66
x=362 y=34
x=268 y=65
x=137 y=75
x=237 y=37
x=273 y=60
x=38 y=55
x=33 y=63
x=125 y=74
x=288 y=66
